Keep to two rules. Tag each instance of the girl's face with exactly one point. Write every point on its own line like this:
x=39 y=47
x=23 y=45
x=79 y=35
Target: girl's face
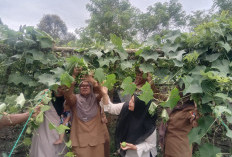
x=59 y=92
x=132 y=104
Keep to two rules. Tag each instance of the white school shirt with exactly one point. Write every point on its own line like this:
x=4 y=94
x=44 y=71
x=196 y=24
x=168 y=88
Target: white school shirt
x=143 y=149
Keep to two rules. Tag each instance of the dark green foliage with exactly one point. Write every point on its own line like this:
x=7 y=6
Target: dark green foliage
x=26 y=55
x=223 y=5
x=160 y=17
x=108 y=17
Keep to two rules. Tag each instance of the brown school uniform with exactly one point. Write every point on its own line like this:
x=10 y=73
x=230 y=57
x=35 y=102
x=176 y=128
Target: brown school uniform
x=88 y=138
x=176 y=137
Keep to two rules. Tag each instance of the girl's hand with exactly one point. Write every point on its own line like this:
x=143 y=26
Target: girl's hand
x=76 y=71
x=92 y=80
x=36 y=111
x=67 y=91
x=104 y=90
x=129 y=146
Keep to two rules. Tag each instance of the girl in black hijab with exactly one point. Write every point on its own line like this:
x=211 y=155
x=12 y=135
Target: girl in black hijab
x=135 y=126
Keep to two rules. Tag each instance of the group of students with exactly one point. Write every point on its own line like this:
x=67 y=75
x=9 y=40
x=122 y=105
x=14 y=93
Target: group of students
x=136 y=130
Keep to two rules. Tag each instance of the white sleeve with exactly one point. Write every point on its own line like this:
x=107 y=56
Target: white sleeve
x=112 y=108
x=149 y=145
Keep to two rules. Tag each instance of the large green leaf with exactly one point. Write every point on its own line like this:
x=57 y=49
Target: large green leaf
x=98 y=53
x=147 y=93
x=229 y=118
x=194 y=136
x=108 y=47
x=57 y=72
x=60 y=129
x=126 y=64
x=222 y=66
x=103 y=62
x=47 y=79
x=116 y=40
x=212 y=57
x=122 y=53
x=229 y=37
x=2 y=107
x=204 y=124
x=223 y=96
x=110 y=81
x=226 y=46
x=138 y=52
x=10 y=99
x=208 y=150
x=172 y=99
x=178 y=63
x=198 y=69
x=118 y=43
x=193 y=88
x=17 y=78
x=128 y=86
x=20 y=100
x=217 y=31
x=148 y=54
x=66 y=79
x=170 y=47
x=192 y=85
x=38 y=56
x=218 y=110
x=172 y=36
x=46 y=43
x=29 y=59
x=176 y=55
x=99 y=75
x=229 y=132
x=113 y=59
x=145 y=67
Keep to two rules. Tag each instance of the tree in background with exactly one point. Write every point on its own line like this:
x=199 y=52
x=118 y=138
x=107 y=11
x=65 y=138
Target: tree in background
x=53 y=25
x=1 y=23
x=223 y=5
x=110 y=16
x=197 y=17
x=159 y=17
x=68 y=37
x=85 y=38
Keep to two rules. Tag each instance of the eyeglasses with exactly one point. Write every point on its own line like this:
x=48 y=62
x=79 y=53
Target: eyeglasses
x=85 y=86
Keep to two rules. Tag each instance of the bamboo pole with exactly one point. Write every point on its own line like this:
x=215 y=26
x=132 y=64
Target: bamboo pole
x=73 y=49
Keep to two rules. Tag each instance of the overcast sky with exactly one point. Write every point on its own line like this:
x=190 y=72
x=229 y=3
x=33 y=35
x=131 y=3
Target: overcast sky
x=73 y=12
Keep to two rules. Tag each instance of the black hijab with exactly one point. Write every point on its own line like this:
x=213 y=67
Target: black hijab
x=134 y=126
x=58 y=103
